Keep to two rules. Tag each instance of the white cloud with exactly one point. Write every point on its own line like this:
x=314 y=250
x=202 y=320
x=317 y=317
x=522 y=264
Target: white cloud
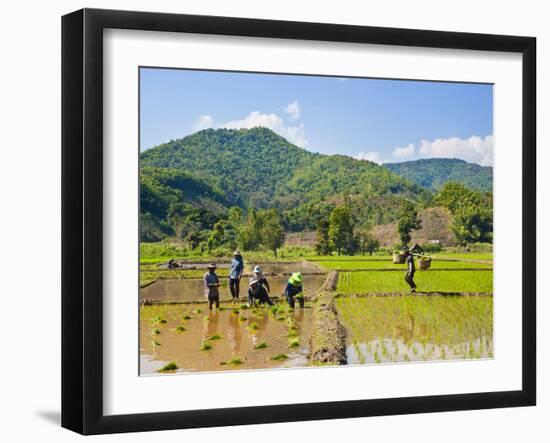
x=294 y=134
x=404 y=152
x=204 y=122
x=474 y=149
x=293 y=110
x=372 y=156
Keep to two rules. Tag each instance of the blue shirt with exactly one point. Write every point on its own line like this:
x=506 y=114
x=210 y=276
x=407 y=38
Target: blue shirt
x=236 y=268
x=292 y=290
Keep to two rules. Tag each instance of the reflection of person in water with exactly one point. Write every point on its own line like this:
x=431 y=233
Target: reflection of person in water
x=234 y=333
x=211 y=326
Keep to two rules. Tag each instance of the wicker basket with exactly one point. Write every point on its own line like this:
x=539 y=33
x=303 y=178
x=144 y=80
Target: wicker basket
x=398 y=258
x=424 y=264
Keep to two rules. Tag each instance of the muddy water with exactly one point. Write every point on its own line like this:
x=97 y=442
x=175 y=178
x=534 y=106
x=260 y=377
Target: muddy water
x=188 y=290
x=396 y=350
x=237 y=338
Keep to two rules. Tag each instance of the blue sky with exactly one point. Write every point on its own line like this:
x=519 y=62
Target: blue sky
x=372 y=119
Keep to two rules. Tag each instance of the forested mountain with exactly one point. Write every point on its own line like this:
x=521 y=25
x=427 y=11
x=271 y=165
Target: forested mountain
x=247 y=164
x=213 y=170
x=433 y=173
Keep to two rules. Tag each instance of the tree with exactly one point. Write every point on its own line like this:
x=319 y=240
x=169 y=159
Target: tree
x=367 y=243
x=323 y=244
x=271 y=231
x=408 y=221
x=340 y=231
x=472 y=224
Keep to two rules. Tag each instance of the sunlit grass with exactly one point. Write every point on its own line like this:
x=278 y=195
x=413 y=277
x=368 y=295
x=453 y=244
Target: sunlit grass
x=388 y=264
x=438 y=281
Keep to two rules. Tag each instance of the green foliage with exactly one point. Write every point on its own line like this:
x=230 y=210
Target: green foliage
x=340 y=230
x=408 y=221
x=323 y=243
x=433 y=173
x=169 y=367
x=472 y=211
x=194 y=188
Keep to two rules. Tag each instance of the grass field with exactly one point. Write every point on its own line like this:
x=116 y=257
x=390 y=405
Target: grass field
x=387 y=264
x=465 y=256
x=442 y=281
x=382 y=329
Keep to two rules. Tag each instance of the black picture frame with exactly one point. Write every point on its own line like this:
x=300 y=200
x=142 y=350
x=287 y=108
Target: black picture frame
x=82 y=218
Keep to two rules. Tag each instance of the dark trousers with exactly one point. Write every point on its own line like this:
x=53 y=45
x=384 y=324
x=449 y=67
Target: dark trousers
x=234 y=287
x=290 y=300
x=409 y=278
x=261 y=299
x=213 y=300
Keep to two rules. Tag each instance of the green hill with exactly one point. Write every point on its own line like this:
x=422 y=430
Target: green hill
x=248 y=164
x=213 y=170
x=433 y=173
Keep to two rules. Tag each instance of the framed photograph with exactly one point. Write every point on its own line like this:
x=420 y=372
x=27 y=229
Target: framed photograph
x=268 y=221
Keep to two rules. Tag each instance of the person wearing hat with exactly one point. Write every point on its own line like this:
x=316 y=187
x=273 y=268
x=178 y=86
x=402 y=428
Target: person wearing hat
x=409 y=261
x=294 y=290
x=257 y=292
x=235 y=273
x=259 y=275
x=211 y=286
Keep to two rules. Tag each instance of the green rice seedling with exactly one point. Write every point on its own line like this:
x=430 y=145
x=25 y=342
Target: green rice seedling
x=280 y=318
x=261 y=345
x=235 y=311
x=158 y=320
x=292 y=333
x=242 y=318
x=235 y=361
x=279 y=357
x=155 y=343
x=205 y=346
x=180 y=328
x=243 y=306
x=221 y=308
x=205 y=319
x=215 y=337
x=377 y=357
x=187 y=317
x=155 y=331
x=169 y=367
x=253 y=326
x=197 y=311
x=293 y=343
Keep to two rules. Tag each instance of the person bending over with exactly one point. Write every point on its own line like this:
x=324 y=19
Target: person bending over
x=294 y=290
x=257 y=293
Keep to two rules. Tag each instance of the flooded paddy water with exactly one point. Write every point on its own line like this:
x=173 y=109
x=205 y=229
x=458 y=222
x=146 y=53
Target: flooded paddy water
x=177 y=333
x=192 y=289
x=412 y=328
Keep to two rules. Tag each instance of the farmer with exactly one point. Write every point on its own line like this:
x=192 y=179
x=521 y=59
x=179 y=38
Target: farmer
x=409 y=261
x=259 y=275
x=257 y=292
x=235 y=273
x=294 y=290
x=211 y=285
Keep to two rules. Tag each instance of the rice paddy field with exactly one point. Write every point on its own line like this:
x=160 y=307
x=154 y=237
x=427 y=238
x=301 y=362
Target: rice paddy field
x=427 y=281
x=411 y=328
x=450 y=318
x=387 y=264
